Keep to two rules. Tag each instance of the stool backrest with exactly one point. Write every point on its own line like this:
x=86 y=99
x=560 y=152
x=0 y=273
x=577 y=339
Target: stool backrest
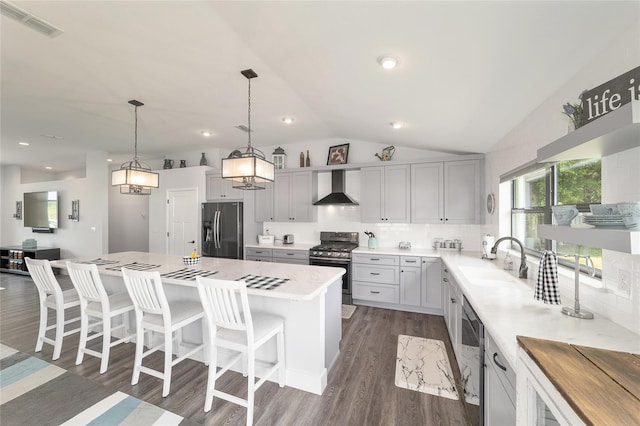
x=86 y=280
x=220 y=303
x=145 y=290
x=42 y=275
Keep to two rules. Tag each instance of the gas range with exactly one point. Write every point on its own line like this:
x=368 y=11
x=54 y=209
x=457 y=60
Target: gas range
x=335 y=245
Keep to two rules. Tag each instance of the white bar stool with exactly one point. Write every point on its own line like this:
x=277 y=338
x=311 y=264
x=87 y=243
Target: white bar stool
x=51 y=297
x=96 y=303
x=240 y=331
x=154 y=313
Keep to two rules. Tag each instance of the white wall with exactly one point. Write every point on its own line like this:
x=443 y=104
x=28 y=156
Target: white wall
x=89 y=236
x=128 y=221
x=621 y=173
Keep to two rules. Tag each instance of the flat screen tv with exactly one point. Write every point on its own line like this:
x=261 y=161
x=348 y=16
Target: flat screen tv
x=41 y=209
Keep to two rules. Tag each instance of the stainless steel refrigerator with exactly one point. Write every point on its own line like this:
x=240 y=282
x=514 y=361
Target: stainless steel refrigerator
x=222 y=234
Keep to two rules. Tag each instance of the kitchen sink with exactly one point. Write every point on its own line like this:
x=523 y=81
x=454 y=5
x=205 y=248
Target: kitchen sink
x=489 y=277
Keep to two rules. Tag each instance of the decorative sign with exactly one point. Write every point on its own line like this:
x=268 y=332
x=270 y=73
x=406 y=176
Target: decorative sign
x=611 y=95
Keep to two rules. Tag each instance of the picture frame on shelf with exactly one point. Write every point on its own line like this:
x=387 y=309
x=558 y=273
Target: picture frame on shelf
x=338 y=154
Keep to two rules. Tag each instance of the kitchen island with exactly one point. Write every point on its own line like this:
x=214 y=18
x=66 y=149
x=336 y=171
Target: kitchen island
x=308 y=298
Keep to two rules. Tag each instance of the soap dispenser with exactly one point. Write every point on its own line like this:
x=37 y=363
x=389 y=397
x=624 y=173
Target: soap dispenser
x=508 y=262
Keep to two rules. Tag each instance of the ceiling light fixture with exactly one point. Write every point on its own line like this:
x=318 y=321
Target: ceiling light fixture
x=48 y=167
x=396 y=125
x=206 y=133
x=288 y=120
x=388 y=62
x=248 y=168
x=23 y=143
x=134 y=177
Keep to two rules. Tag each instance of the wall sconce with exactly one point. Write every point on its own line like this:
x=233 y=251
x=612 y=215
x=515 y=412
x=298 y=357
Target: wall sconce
x=18 y=213
x=75 y=211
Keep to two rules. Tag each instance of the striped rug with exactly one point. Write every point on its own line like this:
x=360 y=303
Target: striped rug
x=32 y=391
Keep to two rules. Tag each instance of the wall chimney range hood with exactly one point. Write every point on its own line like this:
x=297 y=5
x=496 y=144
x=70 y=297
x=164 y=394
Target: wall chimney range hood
x=337 y=196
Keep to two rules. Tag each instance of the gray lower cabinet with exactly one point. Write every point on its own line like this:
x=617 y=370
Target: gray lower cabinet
x=409 y=283
x=259 y=254
x=499 y=387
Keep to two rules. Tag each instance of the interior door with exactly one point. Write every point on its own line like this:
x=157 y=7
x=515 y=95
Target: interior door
x=182 y=221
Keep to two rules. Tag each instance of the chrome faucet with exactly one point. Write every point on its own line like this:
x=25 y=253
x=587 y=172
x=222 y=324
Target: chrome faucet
x=522 y=271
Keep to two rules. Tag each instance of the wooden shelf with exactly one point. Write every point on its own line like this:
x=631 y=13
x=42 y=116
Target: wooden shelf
x=615 y=132
x=622 y=240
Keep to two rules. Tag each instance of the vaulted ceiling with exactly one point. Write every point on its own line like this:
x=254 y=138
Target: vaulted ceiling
x=468 y=72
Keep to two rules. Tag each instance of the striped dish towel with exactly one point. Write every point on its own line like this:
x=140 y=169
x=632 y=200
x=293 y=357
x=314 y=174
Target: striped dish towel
x=547 y=285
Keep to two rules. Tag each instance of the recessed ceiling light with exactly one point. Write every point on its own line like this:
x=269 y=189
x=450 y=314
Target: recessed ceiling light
x=396 y=124
x=23 y=143
x=288 y=120
x=207 y=133
x=48 y=167
x=388 y=62
x=109 y=160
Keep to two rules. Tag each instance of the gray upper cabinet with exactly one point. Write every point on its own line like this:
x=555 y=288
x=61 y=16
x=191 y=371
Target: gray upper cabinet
x=264 y=203
x=446 y=192
x=385 y=194
x=293 y=197
x=222 y=190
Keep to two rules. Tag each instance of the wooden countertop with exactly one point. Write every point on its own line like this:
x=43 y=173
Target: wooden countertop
x=601 y=386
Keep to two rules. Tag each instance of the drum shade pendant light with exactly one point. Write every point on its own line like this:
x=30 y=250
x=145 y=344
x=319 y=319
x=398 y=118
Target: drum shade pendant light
x=247 y=166
x=134 y=177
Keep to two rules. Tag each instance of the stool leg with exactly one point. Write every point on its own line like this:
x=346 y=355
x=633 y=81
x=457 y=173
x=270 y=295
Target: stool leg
x=168 y=355
x=106 y=342
x=57 y=347
x=137 y=363
x=280 y=355
x=84 y=330
x=212 y=359
x=42 y=329
x=251 y=389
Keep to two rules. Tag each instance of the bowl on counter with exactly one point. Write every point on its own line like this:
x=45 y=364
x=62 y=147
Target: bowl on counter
x=191 y=261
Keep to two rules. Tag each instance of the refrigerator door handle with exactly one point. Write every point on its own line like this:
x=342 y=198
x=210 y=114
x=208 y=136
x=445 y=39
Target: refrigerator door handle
x=217 y=225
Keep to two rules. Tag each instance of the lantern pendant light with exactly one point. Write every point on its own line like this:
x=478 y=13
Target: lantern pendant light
x=247 y=166
x=134 y=177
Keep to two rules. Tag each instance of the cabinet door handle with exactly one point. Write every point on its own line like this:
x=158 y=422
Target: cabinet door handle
x=446 y=270
x=374 y=292
x=374 y=259
x=374 y=273
x=410 y=261
x=495 y=361
x=291 y=254
x=453 y=300
x=446 y=280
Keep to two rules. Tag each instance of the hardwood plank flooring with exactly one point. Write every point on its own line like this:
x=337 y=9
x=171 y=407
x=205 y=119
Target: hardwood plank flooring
x=360 y=390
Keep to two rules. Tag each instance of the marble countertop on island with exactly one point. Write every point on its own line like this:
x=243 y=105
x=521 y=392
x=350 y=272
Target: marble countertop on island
x=305 y=282
x=279 y=246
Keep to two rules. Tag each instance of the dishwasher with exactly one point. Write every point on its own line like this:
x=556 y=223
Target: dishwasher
x=472 y=362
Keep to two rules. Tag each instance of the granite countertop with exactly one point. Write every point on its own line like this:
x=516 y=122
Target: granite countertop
x=305 y=282
x=506 y=306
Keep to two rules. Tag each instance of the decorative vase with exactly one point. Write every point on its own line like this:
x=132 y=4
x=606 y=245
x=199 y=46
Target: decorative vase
x=168 y=164
x=302 y=159
x=203 y=160
x=183 y=163
x=308 y=164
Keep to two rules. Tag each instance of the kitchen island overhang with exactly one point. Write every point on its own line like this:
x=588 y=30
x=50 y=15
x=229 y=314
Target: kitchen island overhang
x=309 y=299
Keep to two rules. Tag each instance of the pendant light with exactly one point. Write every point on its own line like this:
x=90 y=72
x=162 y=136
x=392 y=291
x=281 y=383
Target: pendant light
x=134 y=177
x=247 y=166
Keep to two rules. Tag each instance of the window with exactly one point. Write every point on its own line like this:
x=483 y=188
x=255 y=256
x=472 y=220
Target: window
x=572 y=182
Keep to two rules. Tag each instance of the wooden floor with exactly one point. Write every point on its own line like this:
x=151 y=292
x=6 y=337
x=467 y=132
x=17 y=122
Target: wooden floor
x=360 y=389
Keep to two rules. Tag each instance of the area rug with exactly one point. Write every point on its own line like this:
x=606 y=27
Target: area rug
x=422 y=365
x=347 y=311
x=470 y=366
x=32 y=391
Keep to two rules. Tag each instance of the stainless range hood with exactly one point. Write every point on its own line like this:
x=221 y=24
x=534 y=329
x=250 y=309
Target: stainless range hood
x=337 y=196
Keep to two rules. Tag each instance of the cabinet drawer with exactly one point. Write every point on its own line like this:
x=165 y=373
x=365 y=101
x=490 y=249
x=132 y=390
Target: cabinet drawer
x=494 y=357
x=376 y=274
x=376 y=293
x=410 y=261
x=291 y=254
x=252 y=251
x=259 y=258
x=373 y=259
